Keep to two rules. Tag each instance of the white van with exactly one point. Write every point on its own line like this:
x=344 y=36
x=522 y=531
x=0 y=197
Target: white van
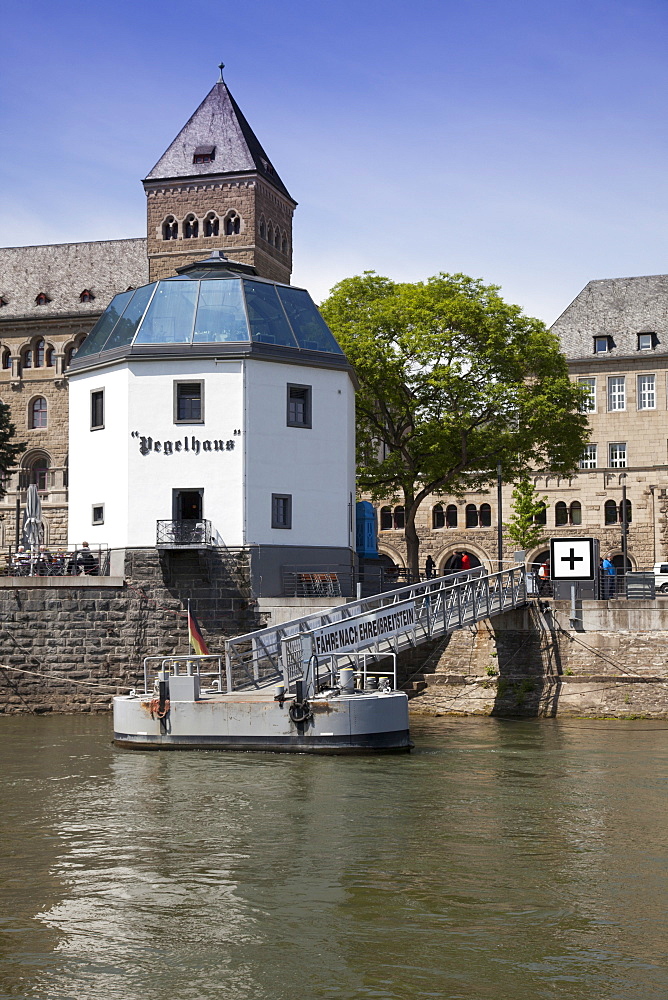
x=661 y=577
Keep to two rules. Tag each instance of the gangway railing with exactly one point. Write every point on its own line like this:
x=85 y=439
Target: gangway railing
x=422 y=611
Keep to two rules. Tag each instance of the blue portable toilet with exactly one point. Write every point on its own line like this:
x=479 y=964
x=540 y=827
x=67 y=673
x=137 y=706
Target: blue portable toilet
x=366 y=542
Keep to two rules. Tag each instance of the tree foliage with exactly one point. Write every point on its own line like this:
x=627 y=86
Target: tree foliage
x=9 y=449
x=452 y=379
x=526 y=525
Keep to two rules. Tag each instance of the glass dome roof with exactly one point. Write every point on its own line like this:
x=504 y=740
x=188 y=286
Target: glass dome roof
x=210 y=302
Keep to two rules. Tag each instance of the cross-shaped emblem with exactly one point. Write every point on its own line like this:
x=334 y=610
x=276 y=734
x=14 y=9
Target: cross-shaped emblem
x=571 y=559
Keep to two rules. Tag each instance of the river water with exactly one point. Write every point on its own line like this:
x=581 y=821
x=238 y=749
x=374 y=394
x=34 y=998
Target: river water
x=500 y=859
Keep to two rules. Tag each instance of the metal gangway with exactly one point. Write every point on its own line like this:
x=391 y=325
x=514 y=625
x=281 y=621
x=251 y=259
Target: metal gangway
x=409 y=616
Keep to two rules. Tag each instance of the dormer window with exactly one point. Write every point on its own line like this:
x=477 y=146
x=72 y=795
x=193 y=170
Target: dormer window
x=645 y=341
x=86 y=296
x=204 y=154
x=42 y=299
x=602 y=345
x=3 y=301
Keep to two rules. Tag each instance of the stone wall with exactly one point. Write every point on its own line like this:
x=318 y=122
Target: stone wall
x=530 y=662
x=97 y=632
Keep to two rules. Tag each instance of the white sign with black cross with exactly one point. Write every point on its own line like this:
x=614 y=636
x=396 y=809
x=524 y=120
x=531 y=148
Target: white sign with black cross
x=572 y=559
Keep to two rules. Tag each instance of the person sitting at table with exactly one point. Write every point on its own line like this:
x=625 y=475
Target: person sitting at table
x=44 y=561
x=86 y=560
x=21 y=562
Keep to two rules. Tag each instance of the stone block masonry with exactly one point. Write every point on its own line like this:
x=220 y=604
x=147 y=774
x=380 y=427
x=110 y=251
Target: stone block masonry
x=534 y=663
x=83 y=644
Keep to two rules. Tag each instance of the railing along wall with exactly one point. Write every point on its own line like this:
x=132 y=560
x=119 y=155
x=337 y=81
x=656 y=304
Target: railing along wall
x=441 y=606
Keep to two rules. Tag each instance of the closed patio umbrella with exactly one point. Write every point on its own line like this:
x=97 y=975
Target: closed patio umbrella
x=32 y=523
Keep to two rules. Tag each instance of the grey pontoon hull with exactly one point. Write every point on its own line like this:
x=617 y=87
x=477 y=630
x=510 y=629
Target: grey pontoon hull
x=364 y=722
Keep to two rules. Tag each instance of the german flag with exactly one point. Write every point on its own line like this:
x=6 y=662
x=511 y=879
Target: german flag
x=195 y=635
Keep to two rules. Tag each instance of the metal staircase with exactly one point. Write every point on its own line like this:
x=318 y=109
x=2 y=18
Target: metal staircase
x=421 y=612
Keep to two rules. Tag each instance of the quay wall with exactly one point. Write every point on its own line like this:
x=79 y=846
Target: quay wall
x=534 y=662
x=69 y=645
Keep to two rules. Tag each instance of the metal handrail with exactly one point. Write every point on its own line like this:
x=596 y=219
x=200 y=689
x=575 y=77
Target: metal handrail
x=442 y=605
x=170 y=665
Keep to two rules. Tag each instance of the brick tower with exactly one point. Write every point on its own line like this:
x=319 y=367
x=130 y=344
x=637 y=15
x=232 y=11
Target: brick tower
x=215 y=188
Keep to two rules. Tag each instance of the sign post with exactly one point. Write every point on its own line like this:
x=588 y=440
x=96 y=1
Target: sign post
x=574 y=560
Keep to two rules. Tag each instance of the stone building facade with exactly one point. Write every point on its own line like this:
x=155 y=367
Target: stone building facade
x=213 y=188
x=615 y=338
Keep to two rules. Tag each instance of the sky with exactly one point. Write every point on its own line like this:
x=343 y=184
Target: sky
x=523 y=142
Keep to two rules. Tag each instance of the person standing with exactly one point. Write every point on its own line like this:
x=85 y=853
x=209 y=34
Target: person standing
x=609 y=573
x=466 y=561
x=429 y=567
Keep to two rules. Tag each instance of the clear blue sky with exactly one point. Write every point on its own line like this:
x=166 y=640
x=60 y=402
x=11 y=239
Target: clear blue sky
x=520 y=141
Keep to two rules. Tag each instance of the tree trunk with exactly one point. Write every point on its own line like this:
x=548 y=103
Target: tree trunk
x=412 y=540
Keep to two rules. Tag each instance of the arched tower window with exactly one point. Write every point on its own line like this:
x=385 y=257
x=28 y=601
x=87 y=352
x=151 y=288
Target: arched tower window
x=451 y=516
x=232 y=223
x=284 y=245
x=438 y=516
x=277 y=238
x=190 y=227
x=38 y=413
x=263 y=228
x=170 y=228
x=270 y=233
x=211 y=224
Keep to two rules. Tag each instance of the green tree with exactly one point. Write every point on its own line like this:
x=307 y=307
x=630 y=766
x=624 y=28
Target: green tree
x=9 y=450
x=452 y=379
x=526 y=526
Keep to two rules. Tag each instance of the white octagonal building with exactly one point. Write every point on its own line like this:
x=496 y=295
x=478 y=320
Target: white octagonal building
x=214 y=409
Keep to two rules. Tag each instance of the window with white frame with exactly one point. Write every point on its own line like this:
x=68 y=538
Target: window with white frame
x=617 y=392
x=617 y=452
x=646 y=392
x=589 y=458
x=645 y=341
x=588 y=404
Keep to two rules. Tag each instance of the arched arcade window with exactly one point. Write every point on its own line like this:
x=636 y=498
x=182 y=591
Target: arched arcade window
x=451 y=516
x=232 y=223
x=385 y=518
x=471 y=515
x=485 y=515
x=437 y=516
x=170 y=228
x=211 y=224
x=610 y=512
x=190 y=227
x=399 y=517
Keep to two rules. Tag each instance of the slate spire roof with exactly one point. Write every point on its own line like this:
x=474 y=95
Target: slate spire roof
x=218 y=125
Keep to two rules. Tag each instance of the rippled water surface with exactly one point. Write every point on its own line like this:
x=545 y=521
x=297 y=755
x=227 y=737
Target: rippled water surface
x=501 y=859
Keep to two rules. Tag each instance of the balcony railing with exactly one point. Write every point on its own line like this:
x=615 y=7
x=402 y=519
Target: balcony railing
x=178 y=534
